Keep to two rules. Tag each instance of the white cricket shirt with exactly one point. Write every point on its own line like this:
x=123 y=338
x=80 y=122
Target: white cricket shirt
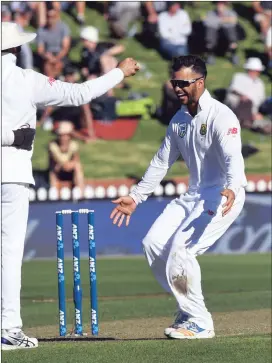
x=175 y=28
x=210 y=144
x=22 y=91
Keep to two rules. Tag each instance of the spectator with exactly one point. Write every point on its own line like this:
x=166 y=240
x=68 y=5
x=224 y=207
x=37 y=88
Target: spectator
x=170 y=103
x=245 y=95
x=174 y=28
x=38 y=13
x=119 y=15
x=22 y=17
x=67 y=6
x=64 y=161
x=225 y=19
x=151 y=11
x=80 y=117
x=5 y=13
x=53 y=44
x=263 y=15
x=97 y=57
x=268 y=47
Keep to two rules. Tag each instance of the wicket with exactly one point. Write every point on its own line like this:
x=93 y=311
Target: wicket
x=77 y=290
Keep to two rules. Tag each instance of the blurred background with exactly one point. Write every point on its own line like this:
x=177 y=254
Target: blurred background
x=85 y=156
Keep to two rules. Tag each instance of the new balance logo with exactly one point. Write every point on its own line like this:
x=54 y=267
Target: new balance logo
x=51 y=80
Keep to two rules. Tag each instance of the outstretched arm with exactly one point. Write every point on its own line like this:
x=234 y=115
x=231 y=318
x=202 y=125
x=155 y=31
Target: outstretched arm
x=50 y=92
x=162 y=161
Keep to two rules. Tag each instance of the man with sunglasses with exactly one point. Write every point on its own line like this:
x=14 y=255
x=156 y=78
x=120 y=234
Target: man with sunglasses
x=207 y=134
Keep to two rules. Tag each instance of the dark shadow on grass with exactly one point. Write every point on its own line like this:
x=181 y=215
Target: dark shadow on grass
x=94 y=339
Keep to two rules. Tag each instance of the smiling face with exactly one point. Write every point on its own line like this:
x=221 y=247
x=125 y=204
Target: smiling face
x=188 y=93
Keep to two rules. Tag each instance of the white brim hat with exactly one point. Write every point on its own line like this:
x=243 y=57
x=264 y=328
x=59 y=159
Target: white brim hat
x=65 y=128
x=89 y=33
x=13 y=37
x=254 y=64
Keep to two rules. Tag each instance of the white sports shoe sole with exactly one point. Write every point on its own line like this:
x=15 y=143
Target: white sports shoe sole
x=25 y=343
x=15 y=347
x=168 y=331
x=183 y=334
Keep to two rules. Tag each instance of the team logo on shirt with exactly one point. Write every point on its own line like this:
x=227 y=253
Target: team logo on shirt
x=182 y=130
x=203 y=129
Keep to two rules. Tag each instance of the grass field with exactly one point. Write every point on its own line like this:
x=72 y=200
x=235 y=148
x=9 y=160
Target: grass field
x=113 y=159
x=134 y=310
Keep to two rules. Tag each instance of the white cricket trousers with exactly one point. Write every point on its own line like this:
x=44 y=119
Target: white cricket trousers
x=187 y=228
x=15 y=205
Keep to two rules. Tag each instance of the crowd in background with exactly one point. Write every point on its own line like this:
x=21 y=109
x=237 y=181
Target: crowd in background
x=167 y=27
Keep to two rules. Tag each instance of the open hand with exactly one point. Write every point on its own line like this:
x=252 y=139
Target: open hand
x=129 y=67
x=229 y=194
x=126 y=206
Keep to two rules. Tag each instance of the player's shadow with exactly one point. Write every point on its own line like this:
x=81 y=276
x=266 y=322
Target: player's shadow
x=94 y=339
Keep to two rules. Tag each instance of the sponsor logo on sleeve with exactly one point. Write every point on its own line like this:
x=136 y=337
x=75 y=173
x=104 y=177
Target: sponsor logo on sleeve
x=51 y=80
x=232 y=131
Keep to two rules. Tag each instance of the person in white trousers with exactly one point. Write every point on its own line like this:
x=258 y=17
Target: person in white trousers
x=207 y=135
x=22 y=91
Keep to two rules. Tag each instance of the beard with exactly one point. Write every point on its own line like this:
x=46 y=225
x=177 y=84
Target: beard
x=185 y=98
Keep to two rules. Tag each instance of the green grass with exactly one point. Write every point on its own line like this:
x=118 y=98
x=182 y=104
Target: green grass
x=108 y=159
x=231 y=350
x=133 y=310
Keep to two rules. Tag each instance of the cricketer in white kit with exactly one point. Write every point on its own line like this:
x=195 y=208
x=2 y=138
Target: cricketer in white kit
x=207 y=135
x=22 y=91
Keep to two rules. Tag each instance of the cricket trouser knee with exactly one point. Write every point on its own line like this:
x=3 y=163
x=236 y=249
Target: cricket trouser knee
x=157 y=261
x=15 y=203
x=184 y=277
x=157 y=242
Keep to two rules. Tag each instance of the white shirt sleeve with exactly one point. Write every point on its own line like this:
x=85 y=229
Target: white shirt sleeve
x=163 y=26
x=229 y=145
x=161 y=162
x=7 y=138
x=185 y=23
x=50 y=92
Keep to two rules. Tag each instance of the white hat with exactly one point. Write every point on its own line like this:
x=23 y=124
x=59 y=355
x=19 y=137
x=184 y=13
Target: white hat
x=13 y=37
x=254 y=64
x=64 y=128
x=89 y=33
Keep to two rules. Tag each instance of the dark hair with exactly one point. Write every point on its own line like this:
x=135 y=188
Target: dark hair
x=190 y=61
x=169 y=4
x=69 y=69
x=14 y=50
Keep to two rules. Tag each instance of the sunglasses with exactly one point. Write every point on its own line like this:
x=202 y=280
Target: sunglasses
x=180 y=83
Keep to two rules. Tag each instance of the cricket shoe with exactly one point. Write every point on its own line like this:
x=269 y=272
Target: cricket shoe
x=179 y=320
x=189 y=330
x=17 y=340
